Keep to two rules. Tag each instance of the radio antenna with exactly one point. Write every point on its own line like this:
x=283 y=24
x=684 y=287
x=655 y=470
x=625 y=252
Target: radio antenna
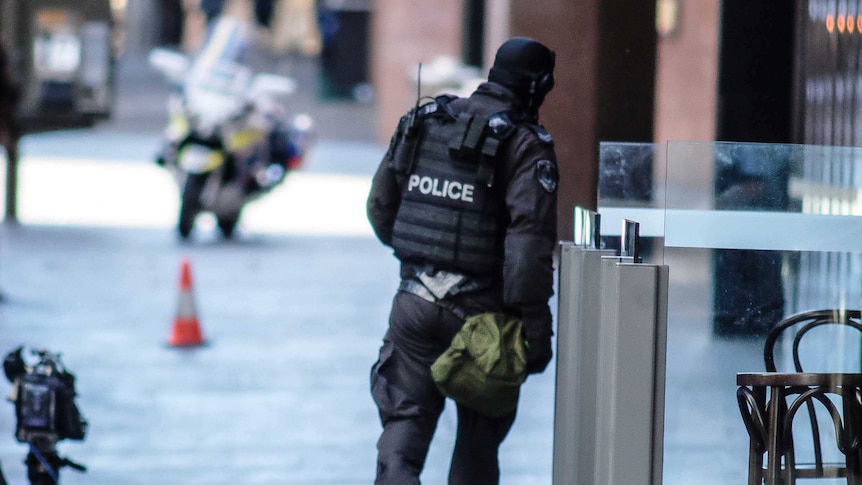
x=411 y=129
x=418 y=83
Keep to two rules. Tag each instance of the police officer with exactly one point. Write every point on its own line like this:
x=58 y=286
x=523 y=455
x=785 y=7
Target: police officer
x=466 y=197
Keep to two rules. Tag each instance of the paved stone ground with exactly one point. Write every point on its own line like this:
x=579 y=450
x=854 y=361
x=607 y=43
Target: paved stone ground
x=278 y=394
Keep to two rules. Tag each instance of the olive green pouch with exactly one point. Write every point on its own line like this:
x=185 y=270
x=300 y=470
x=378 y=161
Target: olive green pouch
x=485 y=365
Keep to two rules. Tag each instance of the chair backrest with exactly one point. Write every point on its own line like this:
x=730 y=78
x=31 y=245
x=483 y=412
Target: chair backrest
x=802 y=323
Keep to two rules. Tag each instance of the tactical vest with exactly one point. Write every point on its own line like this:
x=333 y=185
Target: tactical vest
x=448 y=206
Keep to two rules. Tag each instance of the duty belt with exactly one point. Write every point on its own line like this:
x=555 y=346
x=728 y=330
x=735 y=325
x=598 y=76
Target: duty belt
x=416 y=288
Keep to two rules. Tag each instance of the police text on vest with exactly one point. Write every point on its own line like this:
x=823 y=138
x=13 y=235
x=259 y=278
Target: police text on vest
x=433 y=186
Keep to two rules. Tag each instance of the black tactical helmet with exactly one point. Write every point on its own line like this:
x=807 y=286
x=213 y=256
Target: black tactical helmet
x=526 y=67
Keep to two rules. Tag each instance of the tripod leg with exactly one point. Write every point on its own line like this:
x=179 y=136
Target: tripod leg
x=43 y=468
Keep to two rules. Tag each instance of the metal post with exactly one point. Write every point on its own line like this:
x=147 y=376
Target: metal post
x=578 y=320
x=10 y=132
x=11 y=214
x=631 y=373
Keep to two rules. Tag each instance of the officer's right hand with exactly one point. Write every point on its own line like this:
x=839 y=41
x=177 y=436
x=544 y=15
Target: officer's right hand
x=539 y=353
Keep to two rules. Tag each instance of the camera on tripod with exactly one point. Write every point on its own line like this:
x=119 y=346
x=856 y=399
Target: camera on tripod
x=45 y=412
x=44 y=397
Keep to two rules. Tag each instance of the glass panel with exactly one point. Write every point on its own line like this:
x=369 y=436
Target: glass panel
x=632 y=187
x=587 y=228
x=752 y=233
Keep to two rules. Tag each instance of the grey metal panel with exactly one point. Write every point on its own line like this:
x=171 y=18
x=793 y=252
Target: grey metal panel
x=631 y=373
x=663 y=273
x=577 y=337
x=611 y=348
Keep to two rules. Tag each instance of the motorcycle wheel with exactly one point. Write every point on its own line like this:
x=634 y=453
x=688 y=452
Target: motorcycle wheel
x=227 y=224
x=190 y=204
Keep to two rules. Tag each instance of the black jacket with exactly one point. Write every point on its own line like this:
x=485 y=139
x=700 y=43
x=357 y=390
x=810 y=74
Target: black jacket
x=526 y=171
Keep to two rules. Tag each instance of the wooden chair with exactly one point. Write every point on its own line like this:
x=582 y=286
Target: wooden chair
x=770 y=419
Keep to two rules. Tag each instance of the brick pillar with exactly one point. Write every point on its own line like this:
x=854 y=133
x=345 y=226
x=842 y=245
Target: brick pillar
x=605 y=83
x=569 y=112
x=403 y=34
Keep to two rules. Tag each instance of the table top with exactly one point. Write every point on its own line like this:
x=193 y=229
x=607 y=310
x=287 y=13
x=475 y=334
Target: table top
x=798 y=379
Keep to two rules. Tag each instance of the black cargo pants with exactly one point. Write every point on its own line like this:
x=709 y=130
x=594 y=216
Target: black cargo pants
x=410 y=404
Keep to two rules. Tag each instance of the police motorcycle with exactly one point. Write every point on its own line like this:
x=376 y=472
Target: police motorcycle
x=229 y=140
x=45 y=410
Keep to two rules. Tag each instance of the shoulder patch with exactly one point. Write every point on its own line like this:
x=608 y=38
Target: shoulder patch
x=547 y=175
x=542 y=133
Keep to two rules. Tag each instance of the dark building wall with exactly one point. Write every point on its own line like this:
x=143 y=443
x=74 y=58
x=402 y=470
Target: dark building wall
x=755 y=84
x=569 y=112
x=404 y=33
x=627 y=65
x=473 y=48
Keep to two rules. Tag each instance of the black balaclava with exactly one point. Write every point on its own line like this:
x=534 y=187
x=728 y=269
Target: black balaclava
x=527 y=68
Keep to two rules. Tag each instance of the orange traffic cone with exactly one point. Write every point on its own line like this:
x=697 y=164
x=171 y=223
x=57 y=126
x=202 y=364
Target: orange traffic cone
x=186 y=331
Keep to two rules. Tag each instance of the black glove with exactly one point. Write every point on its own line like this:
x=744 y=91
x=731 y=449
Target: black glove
x=539 y=353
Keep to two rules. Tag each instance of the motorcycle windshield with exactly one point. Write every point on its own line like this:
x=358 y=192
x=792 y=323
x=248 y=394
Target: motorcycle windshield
x=216 y=96
x=229 y=79
x=229 y=40
x=215 y=88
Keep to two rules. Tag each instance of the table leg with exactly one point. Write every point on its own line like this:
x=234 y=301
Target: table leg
x=773 y=460
x=760 y=398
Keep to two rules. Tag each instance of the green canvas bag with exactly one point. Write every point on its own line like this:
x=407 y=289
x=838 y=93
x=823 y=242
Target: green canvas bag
x=485 y=365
